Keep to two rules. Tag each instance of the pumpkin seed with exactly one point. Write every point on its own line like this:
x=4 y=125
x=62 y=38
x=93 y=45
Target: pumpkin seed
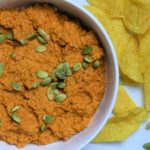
x=41 y=74
x=35 y=85
x=59 y=73
x=66 y=69
x=88 y=59
x=77 y=67
x=146 y=146
x=40 y=49
x=43 y=34
x=96 y=64
x=2 y=67
x=13 y=55
x=50 y=93
x=85 y=65
x=86 y=50
x=22 y=41
x=148 y=126
x=16 y=118
x=61 y=85
x=56 y=91
x=43 y=127
x=54 y=85
x=2 y=38
x=53 y=76
x=16 y=86
x=46 y=81
x=14 y=109
x=47 y=118
x=31 y=36
x=41 y=40
x=10 y=35
x=60 y=97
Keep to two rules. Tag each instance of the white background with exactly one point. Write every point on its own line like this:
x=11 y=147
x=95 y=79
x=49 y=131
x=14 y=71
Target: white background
x=135 y=141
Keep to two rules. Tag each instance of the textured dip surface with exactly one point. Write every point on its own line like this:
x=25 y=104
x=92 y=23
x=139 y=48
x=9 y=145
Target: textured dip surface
x=19 y=64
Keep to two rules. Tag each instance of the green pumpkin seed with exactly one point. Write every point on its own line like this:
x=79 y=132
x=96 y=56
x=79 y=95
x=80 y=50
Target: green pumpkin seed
x=56 y=91
x=41 y=74
x=2 y=38
x=77 y=67
x=13 y=55
x=14 y=109
x=16 y=118
x=86 y=50
x=60 y=97
x=50 y=93
x=31 y=36
x=66 y=69
x=54 y=85
x=53 y=76
x=22 y=41
x=88 y=59
x=16 y=86
x=146 y=146
x=41 y=40
x=10 y=35
x=48 y=118
x=148 y=126
x=35 y=85
x=85 y=65
x=2 y=67
x=43 y=127
x=46 y=81
x=61 y=85
x=43 y=34
x=59 y=73
x=96 y=64
x=40 y=49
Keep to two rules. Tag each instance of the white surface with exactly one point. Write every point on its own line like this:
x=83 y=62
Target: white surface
x=135 y=141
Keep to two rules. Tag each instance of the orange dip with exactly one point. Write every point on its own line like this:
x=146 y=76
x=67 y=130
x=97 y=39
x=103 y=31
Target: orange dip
x=84 y=88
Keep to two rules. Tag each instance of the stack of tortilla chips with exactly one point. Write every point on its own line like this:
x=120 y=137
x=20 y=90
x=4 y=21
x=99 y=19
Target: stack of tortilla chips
x=128 y=25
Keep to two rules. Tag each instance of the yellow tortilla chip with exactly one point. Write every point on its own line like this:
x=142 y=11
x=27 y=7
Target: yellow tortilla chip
x=124 y=80
x=120 y=128
x=125 y=49
x=124 y=103
x=147 y=91
x=136 y=18
x=130 y=63
x=144 y=52
x=142 y=3
x=147 y=88
x=113 y=8
x=115 y=29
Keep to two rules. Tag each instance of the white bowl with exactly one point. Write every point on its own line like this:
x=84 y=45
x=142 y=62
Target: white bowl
x=112 y=76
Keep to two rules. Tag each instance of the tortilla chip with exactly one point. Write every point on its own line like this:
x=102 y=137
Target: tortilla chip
x=114 y=9
x=136 y=18
x=126 y=49
x=120 y=128
x=124 y=80
x=145 y=4
x=144 y=53
x=124 y=103
x=147 y=90
x=130 y=63
x=115 y=29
